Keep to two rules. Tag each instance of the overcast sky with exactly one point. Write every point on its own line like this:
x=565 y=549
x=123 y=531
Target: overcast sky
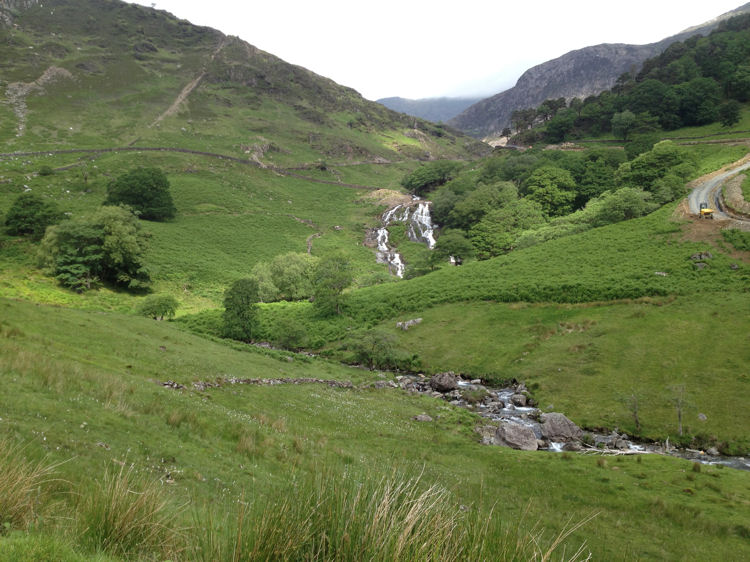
x=430 y=48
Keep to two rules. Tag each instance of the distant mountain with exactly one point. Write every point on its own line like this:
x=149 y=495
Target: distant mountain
x=579 y=73
x=432 y=109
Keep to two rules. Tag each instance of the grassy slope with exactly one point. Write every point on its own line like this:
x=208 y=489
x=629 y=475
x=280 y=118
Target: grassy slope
x=588 y=359
x=92 y=407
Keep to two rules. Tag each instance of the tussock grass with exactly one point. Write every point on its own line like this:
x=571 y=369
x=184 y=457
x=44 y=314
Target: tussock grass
x=22 y=483
x=125 y=514
x=355 y=517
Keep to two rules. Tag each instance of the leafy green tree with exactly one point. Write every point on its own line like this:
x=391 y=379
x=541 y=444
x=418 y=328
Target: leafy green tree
x=495 y=233
x=560 y=126
x=293 y=275
x=267 y=289
x=443 y=200
x=30 y=215
x=623 y=123
x=699 y=101
x=375 y=349
x=664 y=158
x=158 y=307
x=625 y=203
x=333 y=274
x=429 y=176
x=108 y=246
x=553 y=188
x=453 y=243
x=144 y=189
x=476 y=204
x=241 y=310
x=729 y=113
x=597 y=177
x=640 y=144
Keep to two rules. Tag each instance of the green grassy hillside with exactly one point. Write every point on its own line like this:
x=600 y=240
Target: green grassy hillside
x=94 y=408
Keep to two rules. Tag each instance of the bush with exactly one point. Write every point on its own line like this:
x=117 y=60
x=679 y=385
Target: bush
x=158 y=307
x=144 y=189
x=30 y=214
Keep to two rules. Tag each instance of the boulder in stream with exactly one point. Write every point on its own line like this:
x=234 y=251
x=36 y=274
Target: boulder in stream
x=444 y=382
x=516 y=436
x=557 y=427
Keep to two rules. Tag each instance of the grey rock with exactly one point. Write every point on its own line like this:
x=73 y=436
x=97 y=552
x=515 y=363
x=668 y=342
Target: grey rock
x=572 y=446
x=621 y=444
x=408 y=323
x=518 y=400
x=734 y=267
x=422 y=418
x=444 y=382
x=713 y=451
x=516 y=436
x=557 y=427
x=700 y=265
x=702 y=417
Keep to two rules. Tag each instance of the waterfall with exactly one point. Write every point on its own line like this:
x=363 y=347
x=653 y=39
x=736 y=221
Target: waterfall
x=420 y=229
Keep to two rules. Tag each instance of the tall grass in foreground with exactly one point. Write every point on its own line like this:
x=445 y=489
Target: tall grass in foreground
x=127 y=515
x=345 y=517
x=22 y=488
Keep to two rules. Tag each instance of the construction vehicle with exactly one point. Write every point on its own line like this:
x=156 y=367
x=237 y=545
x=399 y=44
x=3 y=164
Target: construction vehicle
x=705 y=211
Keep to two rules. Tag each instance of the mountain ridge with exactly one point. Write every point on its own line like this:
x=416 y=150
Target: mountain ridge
x=578 y=73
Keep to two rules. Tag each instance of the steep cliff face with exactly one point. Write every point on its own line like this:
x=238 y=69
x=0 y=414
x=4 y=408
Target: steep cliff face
x=580 y=73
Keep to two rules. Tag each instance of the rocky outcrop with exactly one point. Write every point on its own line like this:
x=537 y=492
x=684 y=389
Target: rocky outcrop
x=557 y=427
x=516 y=436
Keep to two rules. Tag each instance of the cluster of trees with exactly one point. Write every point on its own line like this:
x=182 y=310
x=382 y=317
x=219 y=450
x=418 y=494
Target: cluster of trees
x=107 y=246
x=699 y=81
x=517 y=199
x=287 y=277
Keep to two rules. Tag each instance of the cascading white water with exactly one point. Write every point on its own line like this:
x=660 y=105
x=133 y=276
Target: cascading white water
x=420 y=229
x=421 y=220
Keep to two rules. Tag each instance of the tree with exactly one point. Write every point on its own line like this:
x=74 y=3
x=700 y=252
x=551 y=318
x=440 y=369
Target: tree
x=699 y=101
x=108 y=246
x=560 y=125
x=453 y=243
x=429 y=176
x=623 y=123
x=158 y=307
x=240 y=310
x=495 y=233
x=476 y=204
x=332 y=275
x=292 y=274
x=729 y=113
x=144 y=189
x=30 y=214
x=625 y=203
x=553 y=188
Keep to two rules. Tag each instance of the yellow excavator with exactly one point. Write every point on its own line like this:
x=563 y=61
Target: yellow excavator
x=706 y=212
